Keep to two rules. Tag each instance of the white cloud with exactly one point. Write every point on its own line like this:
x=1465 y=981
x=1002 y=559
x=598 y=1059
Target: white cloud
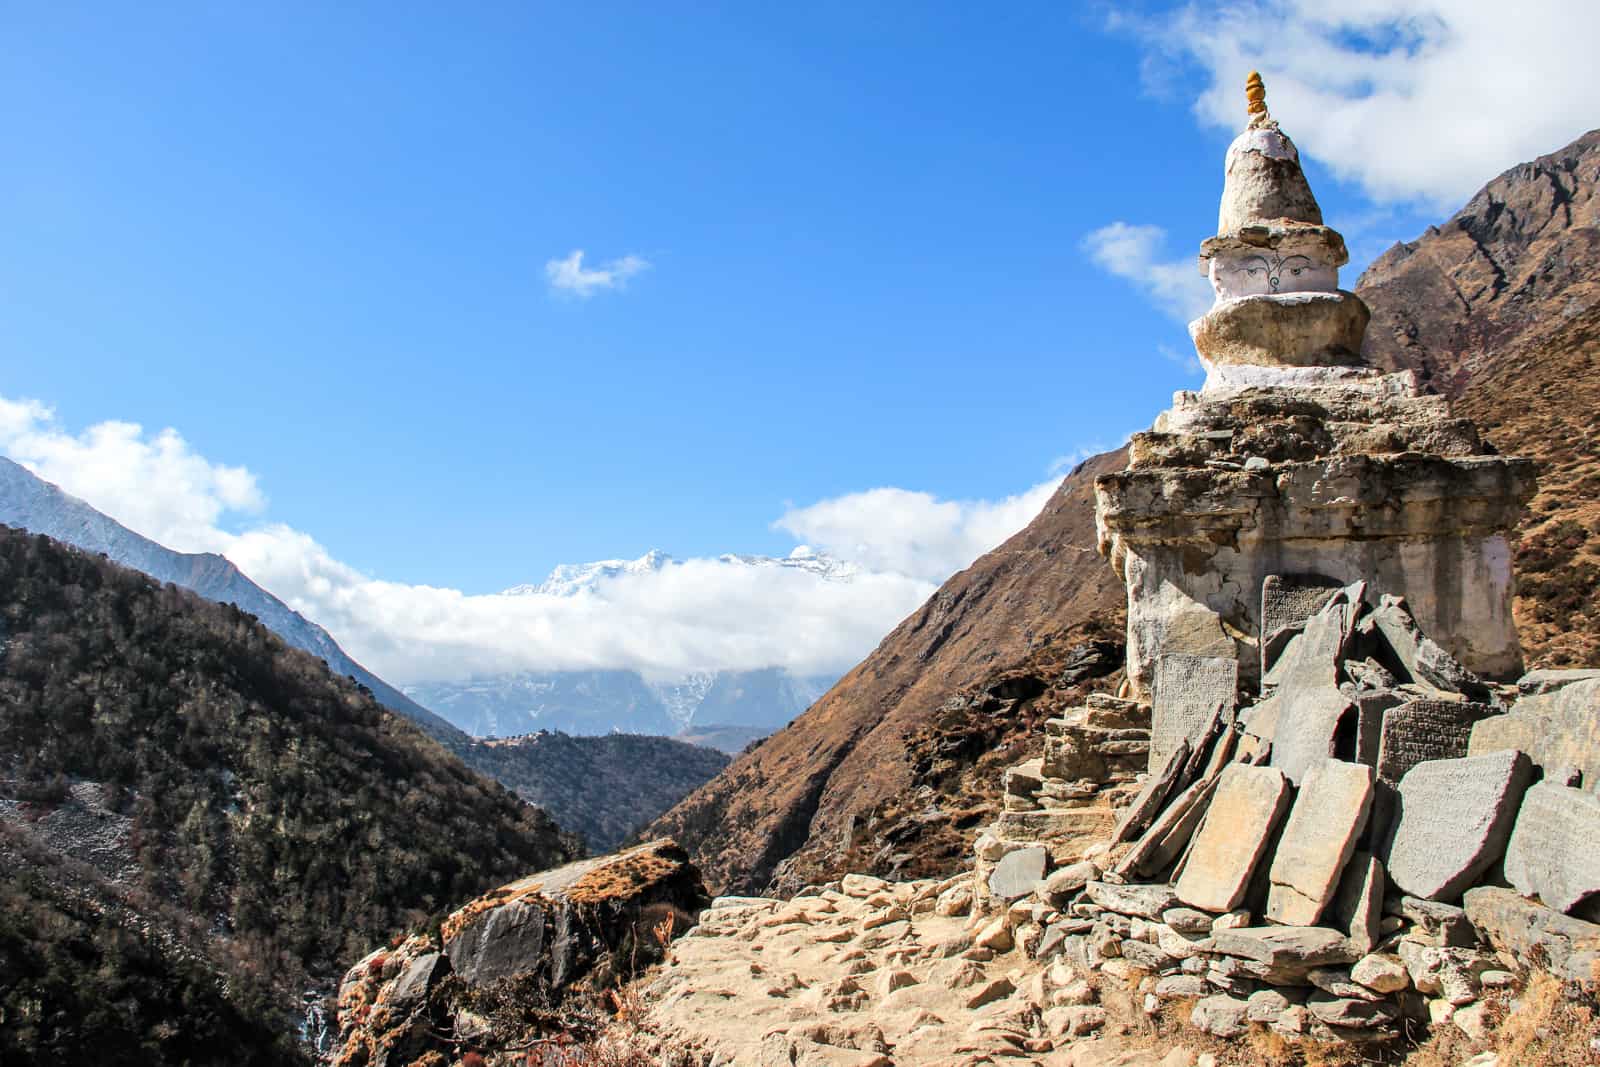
x=1416 y=100
x=1135 y=253
x=917 y=535
x=570 y=277
x=695 y=615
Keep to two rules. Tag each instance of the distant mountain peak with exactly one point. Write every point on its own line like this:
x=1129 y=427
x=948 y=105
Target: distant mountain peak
x=573 y=579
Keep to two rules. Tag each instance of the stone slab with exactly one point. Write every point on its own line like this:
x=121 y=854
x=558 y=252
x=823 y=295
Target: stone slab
x=1189 y=692
x=1454 y=819
x=1546 y=680
x=1314 y=724
x=1422 y=730
x=1287 y=601
x=1324 y=825
x=1167 y=837
x=1358 y=904
x=1556 y=728
x=1152 y=795
x=1554 y=853
x=1246 y=808
x=1018 y=873
x=1417 y=657
x=1525 y=930
x=1312 y=658
x=1145 y=901
x=1287 y=946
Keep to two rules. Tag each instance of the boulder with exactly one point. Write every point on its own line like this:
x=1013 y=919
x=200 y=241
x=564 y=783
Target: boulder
x=1245 y=810
x=1381 y=972
x=1525 y=930
x=1552 y=854
x=1557 y=726
x=1455 y=818
x=1324 y=825
x=1018 y=873
x=555 y=926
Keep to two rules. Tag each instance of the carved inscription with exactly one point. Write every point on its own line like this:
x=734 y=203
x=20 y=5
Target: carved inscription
x=1455 y=818
x=1189 y=691
x=1422 y=730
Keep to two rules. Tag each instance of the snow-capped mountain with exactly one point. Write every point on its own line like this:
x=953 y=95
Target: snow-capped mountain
x=571 y=579
x=596 y=702
x=29 y=502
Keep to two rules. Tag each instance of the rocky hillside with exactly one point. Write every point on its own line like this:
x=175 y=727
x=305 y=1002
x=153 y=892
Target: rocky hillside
x=920 y=708
x=28 y=502
x=202 y=822
x=1497 y=308
x=600 y=788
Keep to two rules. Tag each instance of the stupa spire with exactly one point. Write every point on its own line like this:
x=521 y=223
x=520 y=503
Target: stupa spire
x=1255 y=95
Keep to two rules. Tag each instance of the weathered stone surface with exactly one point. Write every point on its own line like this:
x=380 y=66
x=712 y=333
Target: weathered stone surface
x=1152 y=795
x=1311 y=660
x=1439 y=924
x=1190 y=692
x=1287 y=946
x=1324 y=825
x=1145 y=901
x=1357 y=1014
x=1170 y=833
x=1295 y=329
x=1418 y=657
x=1546 y=680
x=1065 y=882
x=1187 y=920
x=1314 y=724
x=555 y=925
x=1220 y=1015
x=1287 y=601
x=1519 y=927
x=1381 y=972
x=1559 y=727
x=1358 y=905
x=1018 y=873
x=1244 y=812
x=1455 y=818
x=1554 y=852
x=1422 y=730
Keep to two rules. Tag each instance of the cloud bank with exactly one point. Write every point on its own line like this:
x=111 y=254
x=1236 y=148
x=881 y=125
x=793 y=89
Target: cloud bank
x=569 y=277
x=1418 y=101
x=1135 y=254
x=695 y=615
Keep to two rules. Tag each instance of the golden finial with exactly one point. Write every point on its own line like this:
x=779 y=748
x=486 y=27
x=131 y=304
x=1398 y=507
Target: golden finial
x=1255 y=94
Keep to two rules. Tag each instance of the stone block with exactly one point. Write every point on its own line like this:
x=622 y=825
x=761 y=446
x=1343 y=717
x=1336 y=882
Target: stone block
x=1422 y=730
x=1287 y=946
x=1324 y=825
x=1439 y=924
x=1287 y=601
x=1220 y=1016
x=1454 y=820
x=1018 y=873
x=1525 y=930
x=1558 y=727
x=1554 y=852
x=1245 y=811
x=1190 y=691
x=1358 y=904
x=1145 y=901
x=1314 y=724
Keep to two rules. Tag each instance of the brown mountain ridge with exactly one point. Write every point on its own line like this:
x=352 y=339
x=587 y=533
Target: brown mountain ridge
x=1498 y=308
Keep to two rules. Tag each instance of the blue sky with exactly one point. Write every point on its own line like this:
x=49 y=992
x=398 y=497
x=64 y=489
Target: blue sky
x=313 y=240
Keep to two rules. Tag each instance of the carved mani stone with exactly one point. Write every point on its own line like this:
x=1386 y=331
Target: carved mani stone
x=1189 y=692
x=1287 y=601
x=1245 y=809
x=1326 y=822
x=1455 y=818
x=1558 y=726
x=1314 y=725
x=1553 y=853
x=1422 y=730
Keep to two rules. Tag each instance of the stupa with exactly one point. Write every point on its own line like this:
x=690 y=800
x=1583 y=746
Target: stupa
x=1297 y=460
